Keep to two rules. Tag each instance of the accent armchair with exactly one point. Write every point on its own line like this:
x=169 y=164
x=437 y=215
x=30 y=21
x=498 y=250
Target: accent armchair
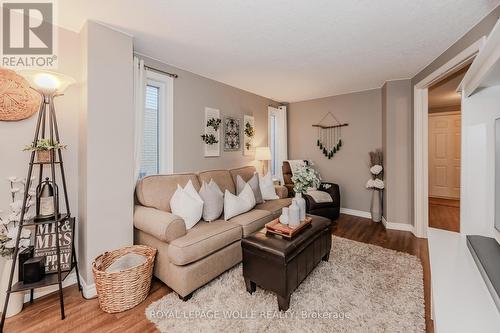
x=329 y=210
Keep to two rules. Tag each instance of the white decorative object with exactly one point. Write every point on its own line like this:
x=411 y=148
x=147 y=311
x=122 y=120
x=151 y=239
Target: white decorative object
x=302 y=205
x=16 y=299
x=212 y=127
x=254 y=185
x=267 y=187
x=294 y=214
x=236 y=205
x=284 y=216
x=187 y=204
x=248 y=135
x=376 y=169
x=376 y=206
x=213 y=201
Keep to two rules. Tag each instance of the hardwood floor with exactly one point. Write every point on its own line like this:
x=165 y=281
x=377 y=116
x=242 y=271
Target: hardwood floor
x=85 y=315
x=444 y=214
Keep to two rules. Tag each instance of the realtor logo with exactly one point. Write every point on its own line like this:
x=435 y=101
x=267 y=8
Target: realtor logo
x=28 y=34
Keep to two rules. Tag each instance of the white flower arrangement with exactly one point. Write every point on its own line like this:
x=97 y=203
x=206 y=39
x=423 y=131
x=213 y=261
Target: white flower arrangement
x=304 y=178
x=376 y=169
x=9 y=227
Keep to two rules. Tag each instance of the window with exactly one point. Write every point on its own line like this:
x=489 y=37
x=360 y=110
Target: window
x=157 y=145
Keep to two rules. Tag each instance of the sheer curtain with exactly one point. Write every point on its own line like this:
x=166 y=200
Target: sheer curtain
x=278 y=139
x=139 y=93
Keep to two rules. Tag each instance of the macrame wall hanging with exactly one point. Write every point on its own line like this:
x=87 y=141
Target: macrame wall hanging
x=329 y=135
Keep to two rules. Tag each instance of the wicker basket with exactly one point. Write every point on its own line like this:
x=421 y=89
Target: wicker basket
x=120 y=291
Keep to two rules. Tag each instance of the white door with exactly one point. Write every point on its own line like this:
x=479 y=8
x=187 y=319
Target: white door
x=444 y=155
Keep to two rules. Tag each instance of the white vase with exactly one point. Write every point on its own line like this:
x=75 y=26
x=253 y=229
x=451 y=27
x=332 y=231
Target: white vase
x=16 y=300
x=301 y=202
x=293 y=214
x=284 y=216
x=376 y=206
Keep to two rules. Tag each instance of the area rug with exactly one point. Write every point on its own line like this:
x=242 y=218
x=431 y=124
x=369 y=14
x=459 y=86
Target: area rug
x=363 y=288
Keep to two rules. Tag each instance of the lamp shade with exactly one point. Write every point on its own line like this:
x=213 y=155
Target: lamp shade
x=262 y=153
x=47 y=82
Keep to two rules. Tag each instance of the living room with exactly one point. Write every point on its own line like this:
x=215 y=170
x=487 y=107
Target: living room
x=243 y=166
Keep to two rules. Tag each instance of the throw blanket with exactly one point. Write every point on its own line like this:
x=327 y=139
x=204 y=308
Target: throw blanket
x=319 y=196
x=295 y=164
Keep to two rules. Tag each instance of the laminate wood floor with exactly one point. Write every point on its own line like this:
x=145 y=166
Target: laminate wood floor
x=85 y=316
x=444 y=214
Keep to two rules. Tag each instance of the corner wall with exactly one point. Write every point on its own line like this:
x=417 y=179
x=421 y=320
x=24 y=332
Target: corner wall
x=350 y=167
x=397 y=147
x=106 y=144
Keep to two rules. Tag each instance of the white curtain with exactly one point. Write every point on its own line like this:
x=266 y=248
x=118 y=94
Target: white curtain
x=139 y=93
x=280 y=137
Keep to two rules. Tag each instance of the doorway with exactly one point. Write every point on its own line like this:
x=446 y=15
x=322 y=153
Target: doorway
x=444 y=124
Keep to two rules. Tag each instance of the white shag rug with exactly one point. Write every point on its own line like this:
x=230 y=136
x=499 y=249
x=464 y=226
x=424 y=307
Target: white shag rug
x=363 y=288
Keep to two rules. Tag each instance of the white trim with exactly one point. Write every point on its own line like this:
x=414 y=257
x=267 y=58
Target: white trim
x=421 y=139
x=398 y=226
x=166 y=118
x=447 y=113
x=39 y=292
x=355 y=212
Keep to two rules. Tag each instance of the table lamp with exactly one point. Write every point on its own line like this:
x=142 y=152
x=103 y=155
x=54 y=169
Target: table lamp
x=263 y=154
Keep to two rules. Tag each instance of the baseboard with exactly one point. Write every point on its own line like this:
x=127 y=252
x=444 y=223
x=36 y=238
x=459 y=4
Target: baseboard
x=39 y=292
x=398 y=226
x=89 y=291
x=355 y=212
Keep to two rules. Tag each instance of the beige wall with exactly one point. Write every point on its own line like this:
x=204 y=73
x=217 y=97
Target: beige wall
x=396 y=138
x=350 y=167
x=106 y=144
x=192 y=93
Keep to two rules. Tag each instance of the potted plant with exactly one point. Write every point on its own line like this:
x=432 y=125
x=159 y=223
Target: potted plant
x=43 y=148
x=9 y=227
x=304 y=178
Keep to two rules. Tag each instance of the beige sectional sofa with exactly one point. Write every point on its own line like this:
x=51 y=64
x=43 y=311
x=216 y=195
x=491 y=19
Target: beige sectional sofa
x=188 y=259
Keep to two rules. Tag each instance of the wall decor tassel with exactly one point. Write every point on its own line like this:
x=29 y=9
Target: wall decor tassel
x=329 y=137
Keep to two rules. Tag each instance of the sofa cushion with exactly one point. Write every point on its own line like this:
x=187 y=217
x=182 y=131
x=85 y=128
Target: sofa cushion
x=203 y=239
x=156 y=191
x=252 y=221
x=245 y=172
x=221 y=177
x=275 y=206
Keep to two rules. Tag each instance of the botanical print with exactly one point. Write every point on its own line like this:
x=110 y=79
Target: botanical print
x=231 y=134
x=211 y=137
x=248 y=135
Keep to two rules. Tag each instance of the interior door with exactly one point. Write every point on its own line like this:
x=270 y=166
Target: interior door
x=444 y=155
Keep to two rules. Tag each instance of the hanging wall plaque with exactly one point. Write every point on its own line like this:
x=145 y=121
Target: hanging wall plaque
x=329 y=136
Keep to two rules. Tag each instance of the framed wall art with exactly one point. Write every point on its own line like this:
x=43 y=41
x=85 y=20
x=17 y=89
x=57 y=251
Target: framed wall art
x=248 y=135
x=231 y=134
x=211 y=135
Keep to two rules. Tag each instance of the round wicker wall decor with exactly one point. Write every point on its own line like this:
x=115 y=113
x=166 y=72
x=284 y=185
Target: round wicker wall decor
x=17 y=100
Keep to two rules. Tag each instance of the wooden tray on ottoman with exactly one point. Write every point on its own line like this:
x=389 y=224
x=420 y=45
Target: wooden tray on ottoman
x=286 y=231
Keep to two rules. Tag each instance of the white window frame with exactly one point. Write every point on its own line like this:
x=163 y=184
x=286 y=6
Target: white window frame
x=165 y=84
x=274 y=149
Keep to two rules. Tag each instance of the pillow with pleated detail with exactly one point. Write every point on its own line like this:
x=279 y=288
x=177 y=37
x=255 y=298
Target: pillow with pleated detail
x=213 y=200
x=254 y=185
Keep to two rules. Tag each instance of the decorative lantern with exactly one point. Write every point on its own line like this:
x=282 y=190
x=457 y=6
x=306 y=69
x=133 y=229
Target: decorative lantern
x=45 y=192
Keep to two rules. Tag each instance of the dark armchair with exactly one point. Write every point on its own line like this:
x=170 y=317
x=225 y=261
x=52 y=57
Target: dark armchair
x=329 y=210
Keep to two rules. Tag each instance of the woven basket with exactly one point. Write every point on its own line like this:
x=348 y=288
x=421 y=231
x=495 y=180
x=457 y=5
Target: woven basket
x=120 y=291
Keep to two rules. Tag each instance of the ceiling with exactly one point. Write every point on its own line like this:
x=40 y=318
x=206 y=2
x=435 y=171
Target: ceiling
x=288 y=50
x=444 y=93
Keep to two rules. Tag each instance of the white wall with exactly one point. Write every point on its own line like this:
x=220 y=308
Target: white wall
x=479 y=112
x=106 y=144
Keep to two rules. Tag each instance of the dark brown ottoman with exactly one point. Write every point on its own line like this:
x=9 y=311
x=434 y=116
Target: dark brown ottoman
x=278 y=264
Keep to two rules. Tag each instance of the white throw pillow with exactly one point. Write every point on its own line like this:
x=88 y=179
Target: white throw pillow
x=254 y=185
x=236 y=205
x=213 y=201
x=267 y=187
x=187 y=204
